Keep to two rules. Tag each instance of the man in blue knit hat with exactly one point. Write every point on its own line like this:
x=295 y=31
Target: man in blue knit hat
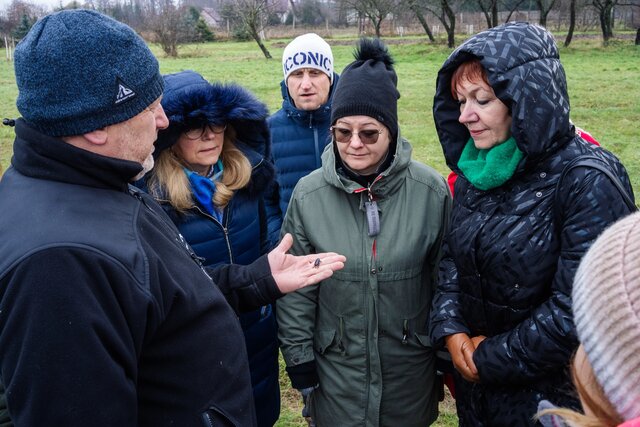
x=107 y=317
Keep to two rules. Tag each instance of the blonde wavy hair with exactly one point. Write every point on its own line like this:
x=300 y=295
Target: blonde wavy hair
x=592 y=395
x=168 y=180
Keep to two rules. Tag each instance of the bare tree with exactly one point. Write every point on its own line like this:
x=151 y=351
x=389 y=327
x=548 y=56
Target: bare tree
x=252 y=16
x=294 y=13
x=545 y=7
x=375 y=10
x=18 y=18
x=605 y=15
x=512 y=9
x=490 y=10
x=572 y=23
x=445 y=11
x=415 y=8
x=164 y=20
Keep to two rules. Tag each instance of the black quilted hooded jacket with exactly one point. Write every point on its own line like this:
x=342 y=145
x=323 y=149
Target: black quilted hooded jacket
x=509 y=266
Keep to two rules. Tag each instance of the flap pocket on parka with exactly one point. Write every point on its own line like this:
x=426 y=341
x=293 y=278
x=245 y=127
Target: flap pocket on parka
x=423 y=340
x=324 y=339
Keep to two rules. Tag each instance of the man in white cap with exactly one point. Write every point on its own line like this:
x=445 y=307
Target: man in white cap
x=300 y=129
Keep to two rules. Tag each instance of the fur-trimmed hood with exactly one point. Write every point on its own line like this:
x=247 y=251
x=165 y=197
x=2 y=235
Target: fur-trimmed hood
x=189 y=98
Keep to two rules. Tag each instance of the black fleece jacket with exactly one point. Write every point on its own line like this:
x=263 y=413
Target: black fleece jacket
x=106 y=317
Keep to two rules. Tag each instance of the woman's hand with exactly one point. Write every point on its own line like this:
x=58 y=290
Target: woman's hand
x=294 y=272
x=477 y=340
x=461 y=348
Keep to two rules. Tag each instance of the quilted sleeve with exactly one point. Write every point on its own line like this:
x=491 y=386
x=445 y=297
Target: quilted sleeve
x=546 y=340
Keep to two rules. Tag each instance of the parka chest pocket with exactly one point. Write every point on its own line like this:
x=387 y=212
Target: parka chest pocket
x=342 y=294
x=404 y=293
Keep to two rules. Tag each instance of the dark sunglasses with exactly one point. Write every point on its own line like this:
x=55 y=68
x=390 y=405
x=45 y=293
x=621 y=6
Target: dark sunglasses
x=367 y=136
x=197 y=132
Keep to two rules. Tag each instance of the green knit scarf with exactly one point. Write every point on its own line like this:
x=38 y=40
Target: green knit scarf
x=487 y=169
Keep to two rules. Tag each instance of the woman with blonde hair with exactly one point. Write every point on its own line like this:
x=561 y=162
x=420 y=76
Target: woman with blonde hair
x=211 y=173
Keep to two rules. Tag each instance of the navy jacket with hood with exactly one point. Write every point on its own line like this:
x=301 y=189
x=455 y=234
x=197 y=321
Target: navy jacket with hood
x=298 y=138
x=107 y=317
x=241 y=237
x=508 y=269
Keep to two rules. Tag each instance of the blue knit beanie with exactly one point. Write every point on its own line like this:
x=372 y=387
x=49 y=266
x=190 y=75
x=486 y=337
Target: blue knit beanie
x=79 y=70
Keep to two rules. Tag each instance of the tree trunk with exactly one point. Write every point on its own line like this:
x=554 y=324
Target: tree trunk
x=544 y=11
x=451 y=27
x=494 y=13
x=377 y=23
x=638 y=37
x=605 y=21
x=294 y=12
x=264 y=49
x=572 y=22
x=513 y=9
x=490 y=12
x=256 y=37
x=423 y=22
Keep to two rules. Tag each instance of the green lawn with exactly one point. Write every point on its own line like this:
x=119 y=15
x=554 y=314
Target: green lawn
x=604 y=87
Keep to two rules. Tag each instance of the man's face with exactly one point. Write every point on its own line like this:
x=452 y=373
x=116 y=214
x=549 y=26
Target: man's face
x=133 y=139
x=309 y=88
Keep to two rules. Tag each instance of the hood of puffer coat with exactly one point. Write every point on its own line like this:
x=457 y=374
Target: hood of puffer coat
x=523 y=68
x=189 y=98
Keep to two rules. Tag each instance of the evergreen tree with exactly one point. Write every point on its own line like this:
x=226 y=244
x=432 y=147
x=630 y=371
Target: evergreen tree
x=203 y=32
x=23 y=27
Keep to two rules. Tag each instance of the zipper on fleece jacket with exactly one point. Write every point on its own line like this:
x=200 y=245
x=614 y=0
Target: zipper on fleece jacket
x=172 y=230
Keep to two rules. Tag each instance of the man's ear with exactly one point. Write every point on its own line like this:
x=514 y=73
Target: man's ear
x=97 y=137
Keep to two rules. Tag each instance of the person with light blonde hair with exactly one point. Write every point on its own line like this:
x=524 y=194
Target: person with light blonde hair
x=212 y=169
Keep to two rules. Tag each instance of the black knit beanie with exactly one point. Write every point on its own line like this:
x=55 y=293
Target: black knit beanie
x=367 y=86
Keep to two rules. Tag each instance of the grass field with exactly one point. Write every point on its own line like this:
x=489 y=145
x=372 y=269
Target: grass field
x=604 y=88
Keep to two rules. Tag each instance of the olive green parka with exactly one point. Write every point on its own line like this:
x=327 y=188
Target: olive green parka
x=366 y=327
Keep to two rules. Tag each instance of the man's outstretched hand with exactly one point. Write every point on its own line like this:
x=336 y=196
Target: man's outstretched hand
x=294 y=272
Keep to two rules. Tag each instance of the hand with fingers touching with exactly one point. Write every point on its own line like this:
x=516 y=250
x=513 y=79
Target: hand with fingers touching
x=461 y=348
x=294 y=272
x=477 y=340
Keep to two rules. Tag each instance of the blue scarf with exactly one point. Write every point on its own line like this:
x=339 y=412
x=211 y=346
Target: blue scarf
x=203 y=188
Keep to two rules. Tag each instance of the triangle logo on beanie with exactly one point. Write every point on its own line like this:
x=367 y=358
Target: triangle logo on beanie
x=123 y=92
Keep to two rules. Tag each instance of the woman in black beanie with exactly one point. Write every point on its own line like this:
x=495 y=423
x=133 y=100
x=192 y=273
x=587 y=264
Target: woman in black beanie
x=357 y=346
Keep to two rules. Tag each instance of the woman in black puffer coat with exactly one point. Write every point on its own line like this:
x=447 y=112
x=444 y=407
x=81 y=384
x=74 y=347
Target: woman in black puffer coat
x=503 y=305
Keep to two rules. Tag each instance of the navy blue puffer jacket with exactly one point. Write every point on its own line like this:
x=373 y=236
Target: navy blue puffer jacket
x=298 y=139
x=509 y=267
x=241 y=237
